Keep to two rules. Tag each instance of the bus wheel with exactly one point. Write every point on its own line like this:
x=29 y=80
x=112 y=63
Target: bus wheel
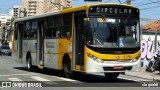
x=67 y=69
x=111 y=76
x=29 y=63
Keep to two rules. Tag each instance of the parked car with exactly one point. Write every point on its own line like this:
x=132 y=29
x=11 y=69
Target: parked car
x=5 y=50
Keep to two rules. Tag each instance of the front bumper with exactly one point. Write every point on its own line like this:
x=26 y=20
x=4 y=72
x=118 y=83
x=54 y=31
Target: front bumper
x=108 y=66
x=6 y=53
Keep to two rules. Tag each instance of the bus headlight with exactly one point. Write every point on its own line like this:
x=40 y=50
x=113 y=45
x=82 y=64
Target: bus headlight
x=95 y=58
x=134 y=60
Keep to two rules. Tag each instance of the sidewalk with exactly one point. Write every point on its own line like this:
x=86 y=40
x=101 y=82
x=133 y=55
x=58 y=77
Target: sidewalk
x=145 y=75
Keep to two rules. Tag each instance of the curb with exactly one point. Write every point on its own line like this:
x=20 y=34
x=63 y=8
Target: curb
x=144 y=78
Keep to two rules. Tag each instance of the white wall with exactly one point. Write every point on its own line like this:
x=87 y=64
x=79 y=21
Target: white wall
x=148 y=47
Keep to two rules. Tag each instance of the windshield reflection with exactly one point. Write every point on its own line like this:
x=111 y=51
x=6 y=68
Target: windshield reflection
x=110 y=32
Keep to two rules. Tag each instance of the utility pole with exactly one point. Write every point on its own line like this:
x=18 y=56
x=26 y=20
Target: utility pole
x=128 y=2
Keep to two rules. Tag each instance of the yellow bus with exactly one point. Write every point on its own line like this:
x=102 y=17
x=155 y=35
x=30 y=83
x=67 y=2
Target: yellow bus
x=94 y=38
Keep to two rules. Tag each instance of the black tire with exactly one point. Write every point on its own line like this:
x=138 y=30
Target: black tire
x=29 y=63
x=111 y=76
x=9 y=54
x=67 y=68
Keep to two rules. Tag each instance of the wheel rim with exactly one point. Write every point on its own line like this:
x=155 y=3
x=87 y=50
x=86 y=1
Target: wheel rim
x=67 y=68
x=28 y=64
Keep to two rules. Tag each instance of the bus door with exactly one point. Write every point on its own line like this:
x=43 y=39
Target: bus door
x=40 y=43
x=79 y=42
x=20 y=41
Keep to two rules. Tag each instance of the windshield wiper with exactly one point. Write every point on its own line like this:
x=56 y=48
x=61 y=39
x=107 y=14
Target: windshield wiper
x=98 y=41
x=96 y=38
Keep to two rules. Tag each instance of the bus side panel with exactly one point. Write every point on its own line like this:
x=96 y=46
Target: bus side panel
x=34 y=58
x=51 y=53
x=32 y=48
x=29 y=46
x=64 y=47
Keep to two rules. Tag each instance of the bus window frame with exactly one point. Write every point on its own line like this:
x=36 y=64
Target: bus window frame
x=51 y=27
x=68 y=26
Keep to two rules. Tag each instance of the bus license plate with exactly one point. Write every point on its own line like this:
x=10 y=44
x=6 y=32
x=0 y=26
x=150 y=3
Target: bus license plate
x=118 y=67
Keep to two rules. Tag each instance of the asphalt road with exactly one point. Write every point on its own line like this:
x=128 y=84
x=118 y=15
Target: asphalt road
x=13 y=72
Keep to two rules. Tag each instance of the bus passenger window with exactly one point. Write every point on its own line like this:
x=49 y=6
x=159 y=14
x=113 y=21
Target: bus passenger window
x=67 y=24
x=57 y=34
x=28 y=35
x=121 y=30
x=49 y=33
x=54 y=33
x=66 y=32
x=27 y=30
x=25 y=34
x=33 y=32
x=16 y=32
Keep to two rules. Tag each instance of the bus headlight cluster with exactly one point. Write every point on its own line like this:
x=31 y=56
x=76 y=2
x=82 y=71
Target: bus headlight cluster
x=95 y=58
x=134 y=60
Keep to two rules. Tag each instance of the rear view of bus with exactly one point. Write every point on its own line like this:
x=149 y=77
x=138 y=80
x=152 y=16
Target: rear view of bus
x=112 y=39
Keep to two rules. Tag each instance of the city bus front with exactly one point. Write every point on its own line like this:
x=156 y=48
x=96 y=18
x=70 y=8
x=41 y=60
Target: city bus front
x=112 y=39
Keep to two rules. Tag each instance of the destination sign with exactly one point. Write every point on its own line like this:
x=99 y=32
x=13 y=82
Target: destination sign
x=113 y=10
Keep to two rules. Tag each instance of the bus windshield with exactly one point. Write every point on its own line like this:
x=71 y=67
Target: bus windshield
x=113 y=32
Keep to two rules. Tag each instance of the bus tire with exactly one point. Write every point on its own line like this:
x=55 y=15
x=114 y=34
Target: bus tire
x=29 y=62
x=67 y=68
x=111 y=76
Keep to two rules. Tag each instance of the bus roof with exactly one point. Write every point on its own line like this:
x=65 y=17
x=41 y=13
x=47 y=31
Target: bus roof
x=88 y=5
x=84 y=7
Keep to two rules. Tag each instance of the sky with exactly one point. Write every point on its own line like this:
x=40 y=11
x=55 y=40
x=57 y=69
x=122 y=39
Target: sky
x=148 y=8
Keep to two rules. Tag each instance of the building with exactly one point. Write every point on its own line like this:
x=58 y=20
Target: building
x=4 y=18
x=150 y=42
x=154 y=26
x=55 y=5
x=36 y=7
x=15 y=11
x=4 y=22
x=68 y=3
